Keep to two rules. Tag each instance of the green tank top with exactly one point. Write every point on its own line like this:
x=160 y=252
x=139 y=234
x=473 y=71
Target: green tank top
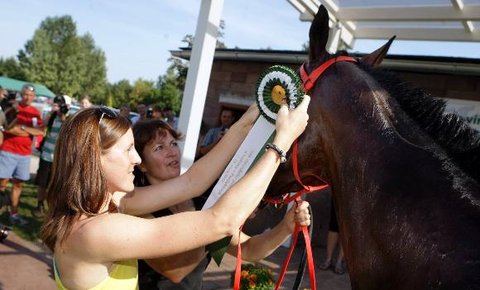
x=124 y=276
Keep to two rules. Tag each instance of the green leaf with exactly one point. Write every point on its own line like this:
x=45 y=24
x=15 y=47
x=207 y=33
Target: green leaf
x=217 y=249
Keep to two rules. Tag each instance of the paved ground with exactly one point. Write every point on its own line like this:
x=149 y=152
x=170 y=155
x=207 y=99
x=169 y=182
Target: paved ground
x=27 y=265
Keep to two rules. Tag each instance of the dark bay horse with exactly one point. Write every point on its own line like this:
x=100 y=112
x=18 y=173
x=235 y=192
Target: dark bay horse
x=405 y=176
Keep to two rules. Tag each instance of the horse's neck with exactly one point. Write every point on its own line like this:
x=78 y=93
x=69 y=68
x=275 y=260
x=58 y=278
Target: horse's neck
x=396 y=163
x=404 y=192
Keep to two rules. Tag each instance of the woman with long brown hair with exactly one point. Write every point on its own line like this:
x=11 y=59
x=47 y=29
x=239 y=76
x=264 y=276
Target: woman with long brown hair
x=92 y=227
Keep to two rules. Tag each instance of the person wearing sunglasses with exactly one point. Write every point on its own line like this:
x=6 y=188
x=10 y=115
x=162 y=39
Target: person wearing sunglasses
x=16 y=150
x=157 y=143
x=93 y=225
x=53 y=122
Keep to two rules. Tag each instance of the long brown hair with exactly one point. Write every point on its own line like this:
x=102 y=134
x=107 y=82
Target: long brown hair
x=78 y=186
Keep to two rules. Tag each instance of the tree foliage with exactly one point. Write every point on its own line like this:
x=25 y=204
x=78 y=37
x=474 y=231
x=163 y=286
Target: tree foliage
x=119 y=94
x=172 y=84
x=188 y=39
x=71 y=64
x=9 y=67
x=65 y=62
x=144 y=91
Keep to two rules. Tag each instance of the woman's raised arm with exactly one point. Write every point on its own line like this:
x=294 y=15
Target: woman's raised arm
x=197 y=179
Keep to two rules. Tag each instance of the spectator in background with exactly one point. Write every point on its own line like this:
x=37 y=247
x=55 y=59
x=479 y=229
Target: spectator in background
x=154 y=112
x=16 y=150
x=125 y=111
x=8 y=112
x=170 y=118
x=60 y=107
x=215 y=134
x=85 y=102
x=157 y=112
x=142 y=113
x=3 y=93
x=3 y=97
x=333 y=240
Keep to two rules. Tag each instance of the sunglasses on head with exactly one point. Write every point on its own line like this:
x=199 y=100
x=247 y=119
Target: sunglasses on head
x=28 y=88
x=106 y=112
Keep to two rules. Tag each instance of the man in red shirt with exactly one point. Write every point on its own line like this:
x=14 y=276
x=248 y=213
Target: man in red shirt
x=16 y=149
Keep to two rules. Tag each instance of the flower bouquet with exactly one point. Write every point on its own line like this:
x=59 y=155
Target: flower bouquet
x=255 y=277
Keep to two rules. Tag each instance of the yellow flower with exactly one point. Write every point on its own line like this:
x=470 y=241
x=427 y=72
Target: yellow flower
x=255 y=277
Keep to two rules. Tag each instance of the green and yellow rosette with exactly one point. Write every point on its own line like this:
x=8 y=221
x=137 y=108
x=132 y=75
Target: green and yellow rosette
x=276 y=86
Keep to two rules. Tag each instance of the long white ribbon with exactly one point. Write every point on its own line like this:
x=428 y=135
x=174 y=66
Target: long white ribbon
x=247 y=153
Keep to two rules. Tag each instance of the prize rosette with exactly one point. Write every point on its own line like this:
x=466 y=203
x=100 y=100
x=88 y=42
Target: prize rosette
x=278 y=85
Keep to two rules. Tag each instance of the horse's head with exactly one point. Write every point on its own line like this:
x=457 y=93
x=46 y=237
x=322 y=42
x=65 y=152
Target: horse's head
x=404 y=175
x=331 y=111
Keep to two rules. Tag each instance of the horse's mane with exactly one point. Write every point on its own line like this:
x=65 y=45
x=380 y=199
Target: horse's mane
x=451 y=132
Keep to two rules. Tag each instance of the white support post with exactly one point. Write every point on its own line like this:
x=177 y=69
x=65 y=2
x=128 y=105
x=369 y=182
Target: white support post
x=198 y=77
x=334 y=38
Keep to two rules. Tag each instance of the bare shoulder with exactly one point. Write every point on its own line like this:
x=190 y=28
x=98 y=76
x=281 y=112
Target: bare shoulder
x=97 y=237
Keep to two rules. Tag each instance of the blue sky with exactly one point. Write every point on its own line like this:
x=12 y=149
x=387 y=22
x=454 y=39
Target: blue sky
x=137 y=36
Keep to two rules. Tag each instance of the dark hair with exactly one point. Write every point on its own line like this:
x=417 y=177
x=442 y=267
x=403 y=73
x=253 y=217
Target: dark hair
x=59 y=99
x=78 y=185
x=144 y=132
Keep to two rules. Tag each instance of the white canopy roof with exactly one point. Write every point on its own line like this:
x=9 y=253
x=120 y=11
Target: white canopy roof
x=440 y=20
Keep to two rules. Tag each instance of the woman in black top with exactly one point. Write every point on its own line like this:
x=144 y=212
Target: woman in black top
x=157 y=144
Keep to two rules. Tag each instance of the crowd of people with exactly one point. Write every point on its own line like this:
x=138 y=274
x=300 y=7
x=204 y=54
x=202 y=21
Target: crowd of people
x=100 y=170
x=16 y=149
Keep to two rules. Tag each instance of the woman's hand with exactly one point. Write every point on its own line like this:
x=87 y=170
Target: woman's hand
x=298 y=215
x=290 y=124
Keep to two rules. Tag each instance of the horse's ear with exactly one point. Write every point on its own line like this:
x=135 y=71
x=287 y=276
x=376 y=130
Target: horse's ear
x=375 y=58
x=318 y=33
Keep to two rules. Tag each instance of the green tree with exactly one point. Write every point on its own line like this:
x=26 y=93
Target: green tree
x=95 y=78
x=119 y=93
x=170 y=94
x=220 y=35
x=172 y=84
x=65 y=62
x=9 y=67
x=188 y=39
x=144 y=91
